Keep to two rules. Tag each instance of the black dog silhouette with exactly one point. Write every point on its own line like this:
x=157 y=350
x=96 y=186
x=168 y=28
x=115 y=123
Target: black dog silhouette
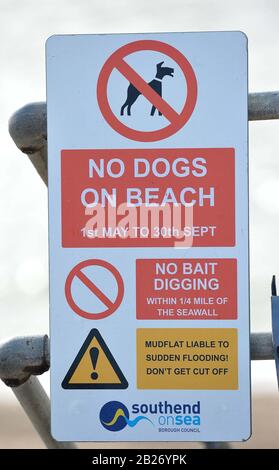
x=133 y=93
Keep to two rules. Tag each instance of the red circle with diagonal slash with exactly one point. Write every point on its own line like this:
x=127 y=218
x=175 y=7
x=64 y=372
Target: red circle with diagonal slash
x=77 y=272
x=177 y=120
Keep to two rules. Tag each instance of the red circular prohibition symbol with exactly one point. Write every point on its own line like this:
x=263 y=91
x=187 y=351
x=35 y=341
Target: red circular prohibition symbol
x=177 y=120
x=77 y=272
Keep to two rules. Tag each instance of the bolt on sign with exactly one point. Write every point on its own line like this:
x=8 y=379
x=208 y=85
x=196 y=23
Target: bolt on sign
x=148 y=217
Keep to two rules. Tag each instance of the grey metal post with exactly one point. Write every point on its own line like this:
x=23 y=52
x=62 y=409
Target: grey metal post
x=261 y=347
x=20 y=359
x=263 y=106
x=217 y=445
x=28 y=128
x=36 y=405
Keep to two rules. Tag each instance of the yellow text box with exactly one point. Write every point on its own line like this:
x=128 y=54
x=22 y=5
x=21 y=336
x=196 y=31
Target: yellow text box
x=187 y=358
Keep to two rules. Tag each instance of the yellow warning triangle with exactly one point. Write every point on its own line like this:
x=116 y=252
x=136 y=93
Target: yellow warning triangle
x=94 y=366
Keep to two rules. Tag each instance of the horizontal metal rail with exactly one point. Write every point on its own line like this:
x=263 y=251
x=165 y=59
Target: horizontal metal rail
x=24 y=357
x=263 y=106
x=28 y=126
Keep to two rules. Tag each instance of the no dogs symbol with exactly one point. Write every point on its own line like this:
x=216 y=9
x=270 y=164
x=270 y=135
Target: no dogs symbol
x=152 y=90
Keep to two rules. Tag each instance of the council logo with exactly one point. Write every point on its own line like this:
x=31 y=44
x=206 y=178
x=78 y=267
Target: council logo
x=114 y=416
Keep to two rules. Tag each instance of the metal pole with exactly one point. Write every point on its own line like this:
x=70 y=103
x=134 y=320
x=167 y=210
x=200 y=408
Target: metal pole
x=263 y=106
x=217 y=445
x=23 y=356
x=28 y=126
x=261 y=346
x=36 y=405
x=20 y=359
x=28 y=129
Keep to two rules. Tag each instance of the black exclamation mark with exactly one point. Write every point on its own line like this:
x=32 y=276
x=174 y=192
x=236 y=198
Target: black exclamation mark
x=94 y=353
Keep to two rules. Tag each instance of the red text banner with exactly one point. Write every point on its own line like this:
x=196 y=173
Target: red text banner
x=155 y=198
x=186 y=289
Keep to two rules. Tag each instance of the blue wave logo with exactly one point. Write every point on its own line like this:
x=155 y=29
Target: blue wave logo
x=114 y=416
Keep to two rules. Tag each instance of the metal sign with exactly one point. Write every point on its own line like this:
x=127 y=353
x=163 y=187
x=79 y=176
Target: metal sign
x=148 y=216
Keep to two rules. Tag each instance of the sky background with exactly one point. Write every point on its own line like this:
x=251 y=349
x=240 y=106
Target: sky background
x=24 y=27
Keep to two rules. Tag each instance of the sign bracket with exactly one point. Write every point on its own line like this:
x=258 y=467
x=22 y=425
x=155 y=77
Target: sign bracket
x=275 y=323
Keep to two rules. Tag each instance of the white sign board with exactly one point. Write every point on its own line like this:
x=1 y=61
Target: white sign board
x=148 y=216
